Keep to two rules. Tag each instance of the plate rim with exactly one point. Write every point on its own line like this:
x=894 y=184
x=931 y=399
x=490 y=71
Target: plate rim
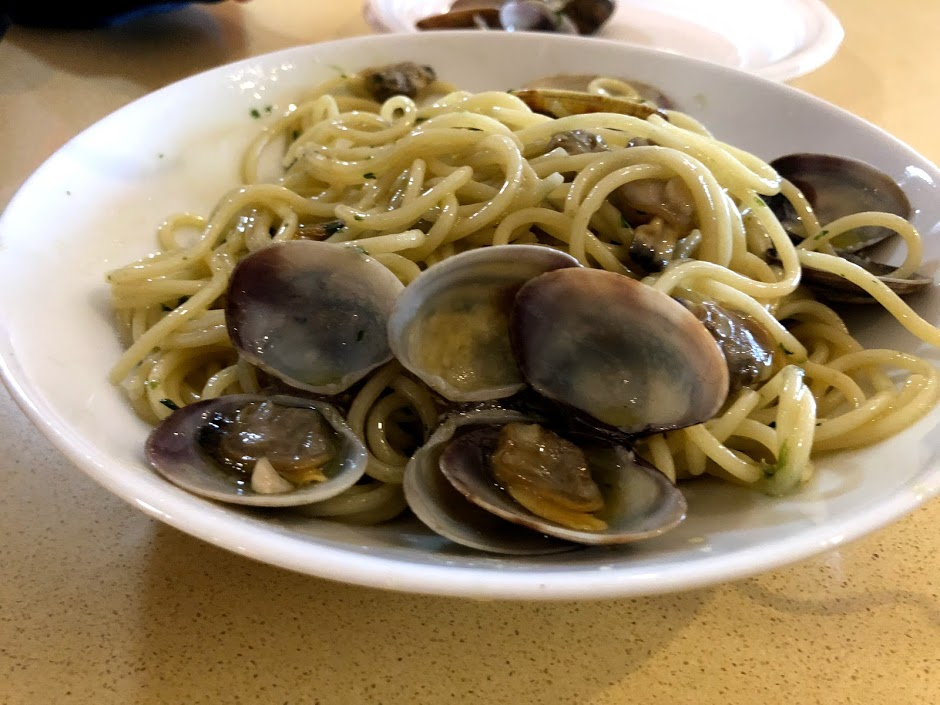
x=341 y=565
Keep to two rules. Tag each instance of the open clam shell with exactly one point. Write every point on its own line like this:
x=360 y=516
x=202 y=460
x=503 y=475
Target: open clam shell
x=627 y=355
x=177 y=450
x=639 y=502
x=580 y=82
x=313 y=314
x=450 y=326
x=559 y=103
x=448 y=513
x=839 y=186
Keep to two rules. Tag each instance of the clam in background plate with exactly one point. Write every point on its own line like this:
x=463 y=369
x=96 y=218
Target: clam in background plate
x=97 y=202
x=777 y=39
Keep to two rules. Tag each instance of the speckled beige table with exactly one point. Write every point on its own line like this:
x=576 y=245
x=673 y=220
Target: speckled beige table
x=100 y=604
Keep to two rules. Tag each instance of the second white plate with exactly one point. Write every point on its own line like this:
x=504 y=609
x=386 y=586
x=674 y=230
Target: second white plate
x=777 y=39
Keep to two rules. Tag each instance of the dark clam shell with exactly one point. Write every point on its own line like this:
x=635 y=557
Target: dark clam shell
x=466 y=18
x=313 y=314
x=534 y=16
x=617 y=350
x=573 y=17
x=838 y=186
x=588 y=16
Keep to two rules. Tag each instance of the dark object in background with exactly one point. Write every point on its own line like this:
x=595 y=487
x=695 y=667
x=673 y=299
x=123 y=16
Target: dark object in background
x=81 y=15
x=563 y=16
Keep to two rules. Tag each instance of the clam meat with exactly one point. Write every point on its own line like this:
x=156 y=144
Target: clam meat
x=449 y=513
x=748 y=347
x=536 y=487
x=269 y=451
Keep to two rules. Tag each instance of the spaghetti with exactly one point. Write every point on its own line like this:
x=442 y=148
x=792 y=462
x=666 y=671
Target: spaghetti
x=414 y=183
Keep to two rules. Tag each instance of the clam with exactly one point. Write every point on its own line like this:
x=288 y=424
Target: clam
x=313 y=314
x=626 y=355
x=462 y=18
x=571 y=17
x=588 y=16
x=581 y=81
x=836 y=187
x=523 y=488
x=450 y=326
x=264 y=451
x=661 y=213
x=448 y=513
x=535 y=16
x=559 y=103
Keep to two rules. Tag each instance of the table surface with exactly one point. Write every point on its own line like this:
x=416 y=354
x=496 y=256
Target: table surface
x=101 y=604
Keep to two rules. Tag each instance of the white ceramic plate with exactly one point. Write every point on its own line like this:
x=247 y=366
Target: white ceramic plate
x=777 y=39
x=96 y=204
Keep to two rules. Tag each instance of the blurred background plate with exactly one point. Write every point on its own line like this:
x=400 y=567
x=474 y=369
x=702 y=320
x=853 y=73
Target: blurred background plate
x=776 y=39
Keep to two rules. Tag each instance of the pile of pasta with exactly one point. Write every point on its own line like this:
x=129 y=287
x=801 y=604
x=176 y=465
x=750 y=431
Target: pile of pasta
x=414 y=181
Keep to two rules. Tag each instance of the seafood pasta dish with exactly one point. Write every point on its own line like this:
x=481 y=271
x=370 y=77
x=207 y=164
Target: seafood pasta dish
x=528 y=317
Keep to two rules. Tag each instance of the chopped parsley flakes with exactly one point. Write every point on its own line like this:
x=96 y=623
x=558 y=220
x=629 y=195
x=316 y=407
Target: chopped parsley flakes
x=771 y=469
